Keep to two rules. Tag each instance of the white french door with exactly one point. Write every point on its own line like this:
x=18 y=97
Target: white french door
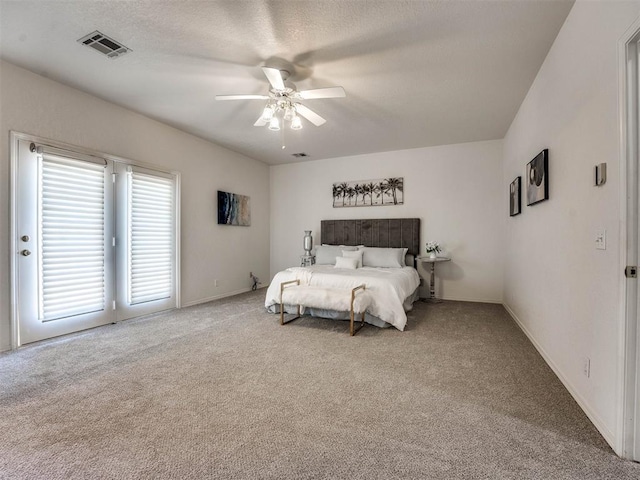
x=65 y=229
x=96 y=241
x=146 y=243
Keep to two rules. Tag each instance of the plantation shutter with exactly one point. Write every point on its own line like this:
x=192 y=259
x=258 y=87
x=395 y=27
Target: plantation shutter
x=151 y=243
x=71 y=215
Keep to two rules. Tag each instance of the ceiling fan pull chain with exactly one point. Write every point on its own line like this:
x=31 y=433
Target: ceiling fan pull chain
x=282 y=134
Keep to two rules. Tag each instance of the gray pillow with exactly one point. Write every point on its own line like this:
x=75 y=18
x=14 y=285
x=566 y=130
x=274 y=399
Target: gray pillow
x=326 y=254
x=409 y=260
x=351 y=248
x=383 y=257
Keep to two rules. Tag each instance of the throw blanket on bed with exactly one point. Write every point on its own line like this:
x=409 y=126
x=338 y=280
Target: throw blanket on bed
x=389 y=287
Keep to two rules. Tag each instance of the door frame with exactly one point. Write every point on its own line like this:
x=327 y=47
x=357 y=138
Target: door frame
x=14 y=138
x=628 y=435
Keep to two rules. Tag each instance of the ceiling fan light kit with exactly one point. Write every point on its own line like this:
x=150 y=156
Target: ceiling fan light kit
x=284 y=109
x=283 y=101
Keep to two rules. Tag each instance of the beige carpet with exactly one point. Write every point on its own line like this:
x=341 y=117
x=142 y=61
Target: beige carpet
x=223 y=391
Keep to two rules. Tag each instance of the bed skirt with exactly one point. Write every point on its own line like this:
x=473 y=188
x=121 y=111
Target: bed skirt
x=334 y=315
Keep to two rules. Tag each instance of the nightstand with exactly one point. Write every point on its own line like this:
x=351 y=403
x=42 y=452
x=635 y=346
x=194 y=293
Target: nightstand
x=307 y=260
x=432 y=284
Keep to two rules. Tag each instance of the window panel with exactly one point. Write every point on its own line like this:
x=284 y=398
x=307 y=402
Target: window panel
x=72 y=241
x=151 y=250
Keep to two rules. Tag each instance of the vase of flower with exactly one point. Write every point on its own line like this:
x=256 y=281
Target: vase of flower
x=433 y=248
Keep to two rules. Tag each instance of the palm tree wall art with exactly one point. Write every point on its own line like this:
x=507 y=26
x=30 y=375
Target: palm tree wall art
x=369 y=193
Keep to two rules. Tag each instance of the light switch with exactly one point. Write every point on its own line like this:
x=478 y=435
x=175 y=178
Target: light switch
x=601 y=240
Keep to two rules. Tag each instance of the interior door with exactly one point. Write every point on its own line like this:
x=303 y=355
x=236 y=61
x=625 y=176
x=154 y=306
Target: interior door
x=633 y=146
x=64 y=205
x=630 y=73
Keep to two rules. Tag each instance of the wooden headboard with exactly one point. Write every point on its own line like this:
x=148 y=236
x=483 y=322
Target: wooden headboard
x=385 y=232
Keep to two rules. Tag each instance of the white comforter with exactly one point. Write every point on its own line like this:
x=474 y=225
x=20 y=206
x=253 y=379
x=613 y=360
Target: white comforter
x=389 y=287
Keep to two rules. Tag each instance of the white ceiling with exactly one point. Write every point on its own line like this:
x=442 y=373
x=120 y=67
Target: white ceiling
x=416 y=73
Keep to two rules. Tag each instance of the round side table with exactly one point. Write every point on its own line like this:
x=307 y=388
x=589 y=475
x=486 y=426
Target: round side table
x=432 y=284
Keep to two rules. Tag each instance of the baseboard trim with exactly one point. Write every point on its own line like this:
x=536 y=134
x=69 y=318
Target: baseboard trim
x=474 y=300
x=216 y=297
x=582 y=403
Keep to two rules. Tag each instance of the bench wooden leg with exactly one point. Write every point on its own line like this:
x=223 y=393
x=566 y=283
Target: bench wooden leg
x=352 y=330
x=283 y=321
x=282 y=286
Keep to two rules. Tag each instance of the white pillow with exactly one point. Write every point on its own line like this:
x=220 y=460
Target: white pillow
x=344 y=262
x=384 y=257
x=357 y=255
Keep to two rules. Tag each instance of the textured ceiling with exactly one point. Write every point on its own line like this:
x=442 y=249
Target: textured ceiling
x=416 y=73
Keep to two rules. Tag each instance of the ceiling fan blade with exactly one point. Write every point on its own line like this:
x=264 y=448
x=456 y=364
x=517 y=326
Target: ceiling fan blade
x=310 y=115
x=261 y=122
x=275 y=77
x=329 y=92
x=242 y=97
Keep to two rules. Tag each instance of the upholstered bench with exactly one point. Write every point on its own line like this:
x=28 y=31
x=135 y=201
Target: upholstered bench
x=355 y=300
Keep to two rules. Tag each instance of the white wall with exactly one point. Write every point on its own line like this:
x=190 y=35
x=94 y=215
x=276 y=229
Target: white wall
x=455 y=190
x=35 y=105
x=563 y=291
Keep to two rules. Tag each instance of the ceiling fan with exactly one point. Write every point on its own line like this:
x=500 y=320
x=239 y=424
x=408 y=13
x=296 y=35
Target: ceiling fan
x=283 y=101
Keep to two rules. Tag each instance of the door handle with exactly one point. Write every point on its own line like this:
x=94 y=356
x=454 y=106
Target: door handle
x=25 y=253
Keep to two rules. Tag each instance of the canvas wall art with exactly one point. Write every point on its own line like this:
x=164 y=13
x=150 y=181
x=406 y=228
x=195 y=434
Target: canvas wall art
x=538 y=178
x=233 y=209
x=369 y=193
x=514 y=197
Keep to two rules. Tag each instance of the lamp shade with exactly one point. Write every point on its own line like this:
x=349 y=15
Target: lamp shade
x=274 y=124
x=296 y=123
x=267 y=113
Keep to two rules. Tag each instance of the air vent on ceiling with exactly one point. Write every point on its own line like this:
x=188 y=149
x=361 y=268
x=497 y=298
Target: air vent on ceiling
x=103 y=44
x=298 y=155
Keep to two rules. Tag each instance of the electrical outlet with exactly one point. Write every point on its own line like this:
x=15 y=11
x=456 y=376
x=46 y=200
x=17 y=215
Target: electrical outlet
x=601 y=240
x=586 y=367
x=215 y=283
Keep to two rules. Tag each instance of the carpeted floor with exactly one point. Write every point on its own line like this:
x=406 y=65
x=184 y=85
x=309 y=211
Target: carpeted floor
x=221 y=390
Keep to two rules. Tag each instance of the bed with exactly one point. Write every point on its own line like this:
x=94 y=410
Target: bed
x=393 y=288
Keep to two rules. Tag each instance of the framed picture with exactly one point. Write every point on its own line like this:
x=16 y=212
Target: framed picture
x=369 y=193
x=233 y=209
x=514 y=197
x=538 y=178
